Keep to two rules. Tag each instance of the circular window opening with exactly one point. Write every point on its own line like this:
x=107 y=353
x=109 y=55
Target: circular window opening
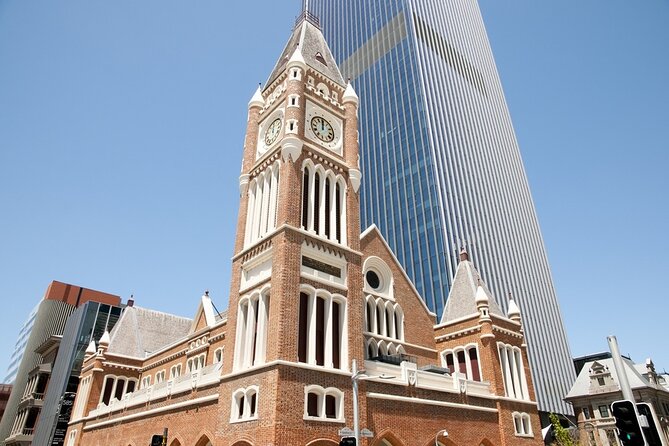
x=373 y=280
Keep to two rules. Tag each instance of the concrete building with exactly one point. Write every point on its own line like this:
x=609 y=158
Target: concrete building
x=597 y=386
x=443 y=166
x=41 y=347
x=324 y=326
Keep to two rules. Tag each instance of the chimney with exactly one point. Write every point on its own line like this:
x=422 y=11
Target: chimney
x=131 y=301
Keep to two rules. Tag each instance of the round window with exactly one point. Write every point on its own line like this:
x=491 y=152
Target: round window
x=373 y=280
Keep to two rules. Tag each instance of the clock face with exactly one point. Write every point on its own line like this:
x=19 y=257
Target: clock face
x=272 y=132
x=322 y=129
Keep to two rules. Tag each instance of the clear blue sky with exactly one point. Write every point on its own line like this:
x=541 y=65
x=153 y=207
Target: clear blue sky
x=122 y=124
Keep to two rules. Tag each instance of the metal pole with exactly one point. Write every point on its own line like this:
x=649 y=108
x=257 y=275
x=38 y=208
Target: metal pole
x=356 y=421
x=620 y=369
x=165 y=437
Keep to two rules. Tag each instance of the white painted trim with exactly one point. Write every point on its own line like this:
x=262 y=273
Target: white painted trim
x=464 y=331
x=404 y=399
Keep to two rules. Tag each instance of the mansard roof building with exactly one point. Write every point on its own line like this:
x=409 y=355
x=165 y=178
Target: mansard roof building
x=315 y=306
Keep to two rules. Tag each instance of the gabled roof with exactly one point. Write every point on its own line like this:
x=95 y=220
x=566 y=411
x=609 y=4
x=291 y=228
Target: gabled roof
x=205 y=315
x=315 y=51
x=461 y=300
x=140 y=332
x=373 y=231
x=636 y=379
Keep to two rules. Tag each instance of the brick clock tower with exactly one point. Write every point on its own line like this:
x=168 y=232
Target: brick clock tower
x=309 y=295
x=296 y=304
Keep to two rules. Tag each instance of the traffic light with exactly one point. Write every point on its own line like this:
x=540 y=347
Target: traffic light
x=651 y=432
x=629 y=430
x=347 y=441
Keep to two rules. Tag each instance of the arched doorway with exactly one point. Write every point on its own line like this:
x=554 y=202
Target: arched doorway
x=323 y=442
x=204 y=441
x=387 y=439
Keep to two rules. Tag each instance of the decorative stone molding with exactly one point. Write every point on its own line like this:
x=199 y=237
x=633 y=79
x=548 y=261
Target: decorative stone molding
x=356 y=177
x=291 y=147
x=243 y=184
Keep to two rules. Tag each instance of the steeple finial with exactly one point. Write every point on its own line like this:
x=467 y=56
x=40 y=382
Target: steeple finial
x=464 y=255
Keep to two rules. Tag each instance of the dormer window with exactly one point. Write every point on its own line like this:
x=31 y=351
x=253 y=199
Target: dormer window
x=320 y=58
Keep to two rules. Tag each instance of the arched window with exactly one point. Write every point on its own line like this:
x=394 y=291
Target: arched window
x=115 y=387
x=244 y=404
x=384 y=318
x=463 y=360
x=522 y=424
x=320 y=403
x=218 y=355
x=196 y=363
x=252 y=323
x=175 y=371
x=321 y=328
x=323 y=202
x=513 y=371
x=263 y=193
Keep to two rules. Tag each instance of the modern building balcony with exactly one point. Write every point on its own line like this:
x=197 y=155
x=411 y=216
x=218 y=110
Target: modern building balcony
x=44 y=368
x=33 y=400
x=22 y=438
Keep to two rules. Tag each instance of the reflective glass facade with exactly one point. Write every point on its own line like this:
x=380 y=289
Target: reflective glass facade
x=441 y=164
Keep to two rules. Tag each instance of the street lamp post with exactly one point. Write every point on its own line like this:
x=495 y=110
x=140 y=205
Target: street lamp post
x=357 y=375
x=442 y=432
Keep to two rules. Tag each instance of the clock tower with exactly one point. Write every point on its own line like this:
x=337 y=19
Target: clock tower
x=296 y=304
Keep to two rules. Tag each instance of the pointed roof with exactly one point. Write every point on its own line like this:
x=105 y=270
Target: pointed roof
x=257 y=99
x=90 y=350
x=350 y=94
x=514 y=311
x=205 y=315
x=462 y=296
x=140 y=332
x=308 y=39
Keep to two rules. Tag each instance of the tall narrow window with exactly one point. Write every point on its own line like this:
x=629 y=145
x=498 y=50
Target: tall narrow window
x=449 y=362
x=474 y=361
x=370 y=315
x=317 y=202
x=254 y=398
x=241 y=407
x=320 y=331
x=462 y=365
x=312 y=404
x=330 y=406
x=106 y=395
x=336 y=311
x=256 y=306
x=338 y=212
x=305 y=199
x=120 y=387
x=327 y=208
x=303 y=335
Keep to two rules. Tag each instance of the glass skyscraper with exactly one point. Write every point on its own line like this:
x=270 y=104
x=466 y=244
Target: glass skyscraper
x=441 y=165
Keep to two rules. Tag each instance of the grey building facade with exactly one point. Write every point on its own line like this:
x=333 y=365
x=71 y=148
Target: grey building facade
x=88 y=322
x=442 y=165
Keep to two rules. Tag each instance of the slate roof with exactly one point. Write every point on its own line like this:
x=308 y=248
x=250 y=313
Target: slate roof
x=635 y=376
x=310 y=41
x=140 y=332
x=461 y=297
